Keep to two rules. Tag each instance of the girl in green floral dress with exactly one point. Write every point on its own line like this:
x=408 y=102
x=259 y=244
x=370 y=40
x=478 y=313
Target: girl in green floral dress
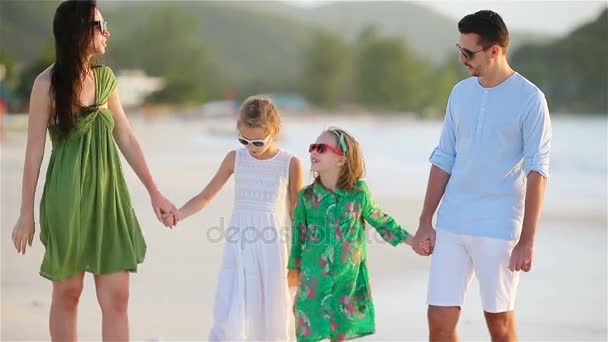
x=328 y=251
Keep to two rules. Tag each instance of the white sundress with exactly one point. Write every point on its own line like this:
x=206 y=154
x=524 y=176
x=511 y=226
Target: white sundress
x=252 y=301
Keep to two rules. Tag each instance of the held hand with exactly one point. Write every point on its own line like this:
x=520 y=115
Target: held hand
x=424 y=240
x=162 y=207
x=422 y=247
x=170 y=220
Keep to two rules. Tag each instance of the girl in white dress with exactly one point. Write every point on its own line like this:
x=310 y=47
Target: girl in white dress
x=252 y=301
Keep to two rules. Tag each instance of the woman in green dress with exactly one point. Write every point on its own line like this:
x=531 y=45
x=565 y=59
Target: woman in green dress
x=328 y=251
x=87 y=223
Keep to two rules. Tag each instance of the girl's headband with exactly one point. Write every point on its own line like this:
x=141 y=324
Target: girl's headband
x=341 y=140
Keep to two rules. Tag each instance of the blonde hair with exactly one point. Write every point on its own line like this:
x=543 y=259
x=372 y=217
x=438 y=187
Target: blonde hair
x=259 y=112
x=354 y=167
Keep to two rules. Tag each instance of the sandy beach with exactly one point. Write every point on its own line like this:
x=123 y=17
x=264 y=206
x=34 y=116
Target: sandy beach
x=564 y=298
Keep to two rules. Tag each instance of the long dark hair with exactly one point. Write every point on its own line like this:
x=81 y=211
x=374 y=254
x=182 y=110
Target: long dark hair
x=73 y=31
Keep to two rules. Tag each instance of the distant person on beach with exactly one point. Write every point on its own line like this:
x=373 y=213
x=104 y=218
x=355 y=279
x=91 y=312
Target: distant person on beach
x=252 y=301
x=3 y=101
x=328 y=250
x=87 y=222
x=489 y=172
x=2 y=111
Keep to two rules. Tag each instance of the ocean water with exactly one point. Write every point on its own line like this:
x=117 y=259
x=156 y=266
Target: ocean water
x=396 y=152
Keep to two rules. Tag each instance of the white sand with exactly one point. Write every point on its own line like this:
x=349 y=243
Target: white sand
x=564 y=298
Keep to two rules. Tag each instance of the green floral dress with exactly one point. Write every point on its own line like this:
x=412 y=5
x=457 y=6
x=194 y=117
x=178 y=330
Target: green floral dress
x=329 y=249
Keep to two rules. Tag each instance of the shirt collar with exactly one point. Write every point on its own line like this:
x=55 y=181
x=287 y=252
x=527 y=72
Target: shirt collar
x=319 y=189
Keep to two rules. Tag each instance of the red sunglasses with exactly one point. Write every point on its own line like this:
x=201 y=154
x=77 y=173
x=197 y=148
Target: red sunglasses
x=321 y=148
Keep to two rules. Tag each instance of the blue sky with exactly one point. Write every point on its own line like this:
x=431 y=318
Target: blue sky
x=555 y=17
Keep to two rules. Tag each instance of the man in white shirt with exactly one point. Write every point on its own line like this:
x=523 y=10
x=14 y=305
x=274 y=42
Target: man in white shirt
x=489 y=172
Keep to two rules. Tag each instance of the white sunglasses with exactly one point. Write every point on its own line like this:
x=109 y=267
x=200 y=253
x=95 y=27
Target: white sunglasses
x=256 y=142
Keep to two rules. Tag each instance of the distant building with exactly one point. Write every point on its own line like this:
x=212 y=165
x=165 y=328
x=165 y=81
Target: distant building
x=290 y=103
x=135 y=86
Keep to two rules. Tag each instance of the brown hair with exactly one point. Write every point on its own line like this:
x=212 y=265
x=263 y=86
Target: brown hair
x=354 y=167
x=259 y=112
x=73 y=31
x=490 y=27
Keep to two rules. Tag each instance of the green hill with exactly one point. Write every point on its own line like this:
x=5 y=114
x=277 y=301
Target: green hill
x=430 y=34
x=249 y=48
x=25 y=26
x=571 y=71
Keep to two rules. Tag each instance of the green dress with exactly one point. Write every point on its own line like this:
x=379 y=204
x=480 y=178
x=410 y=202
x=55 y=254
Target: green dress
x=87 y=223
x=329 y=249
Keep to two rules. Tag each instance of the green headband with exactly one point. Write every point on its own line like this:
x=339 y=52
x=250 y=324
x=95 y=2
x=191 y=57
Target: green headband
x=341 y=140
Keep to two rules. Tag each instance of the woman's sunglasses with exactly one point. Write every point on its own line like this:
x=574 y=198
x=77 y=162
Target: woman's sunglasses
x=102 y=25
x=468 y=54
x=322 y=148
x=256 y=142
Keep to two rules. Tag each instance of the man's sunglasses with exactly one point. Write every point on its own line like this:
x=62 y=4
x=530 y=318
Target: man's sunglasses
x=468 y=54
x=322 y=148
x=102 y=25
x=256 y=142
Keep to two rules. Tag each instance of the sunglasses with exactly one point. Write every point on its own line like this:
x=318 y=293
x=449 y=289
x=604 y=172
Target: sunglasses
x=468 y=54
x=256 y=142
x=322 y=148
x=102 y=25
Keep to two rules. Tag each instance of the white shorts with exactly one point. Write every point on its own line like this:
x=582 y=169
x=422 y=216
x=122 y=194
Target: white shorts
x=457 y=257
